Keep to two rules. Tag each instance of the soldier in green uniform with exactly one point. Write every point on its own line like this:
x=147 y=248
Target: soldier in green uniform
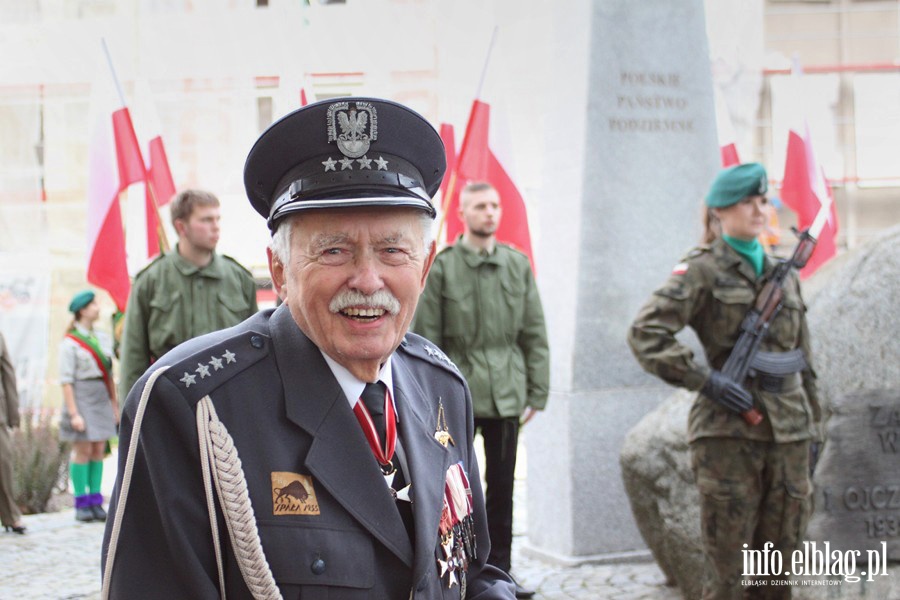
x=184 y=293
x=753 y=479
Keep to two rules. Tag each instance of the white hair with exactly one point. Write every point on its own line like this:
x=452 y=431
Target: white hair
x=281 y=238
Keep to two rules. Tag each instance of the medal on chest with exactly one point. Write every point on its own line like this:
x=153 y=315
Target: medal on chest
x=441 y=433
x=456 y=528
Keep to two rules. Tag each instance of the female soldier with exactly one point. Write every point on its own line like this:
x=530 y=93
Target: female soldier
x=753 y=479
x=91 y=411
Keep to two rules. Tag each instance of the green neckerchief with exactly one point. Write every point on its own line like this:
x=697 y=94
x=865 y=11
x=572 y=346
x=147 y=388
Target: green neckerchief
x=752 y=251
x=91 y=341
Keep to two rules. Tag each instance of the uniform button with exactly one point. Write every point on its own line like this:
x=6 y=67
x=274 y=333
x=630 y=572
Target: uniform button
x=256 y=341
x=318 y=566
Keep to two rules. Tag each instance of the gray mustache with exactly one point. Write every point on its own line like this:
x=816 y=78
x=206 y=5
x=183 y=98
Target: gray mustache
x=380 y=299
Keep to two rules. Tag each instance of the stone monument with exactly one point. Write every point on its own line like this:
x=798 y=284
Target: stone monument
x=630 y=154
x=856 y=324
x=858 y=480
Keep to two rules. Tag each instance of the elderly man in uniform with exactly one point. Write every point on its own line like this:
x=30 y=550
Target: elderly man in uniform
x=315 y=450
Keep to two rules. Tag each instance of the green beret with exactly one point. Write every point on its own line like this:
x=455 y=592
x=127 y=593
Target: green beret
x=735 y=183
x=80 y=300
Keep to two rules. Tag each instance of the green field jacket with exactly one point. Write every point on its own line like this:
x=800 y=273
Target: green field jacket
x=484 y=312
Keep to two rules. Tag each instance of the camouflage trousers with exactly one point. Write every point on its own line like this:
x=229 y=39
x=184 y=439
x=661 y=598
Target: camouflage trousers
x=751 y=493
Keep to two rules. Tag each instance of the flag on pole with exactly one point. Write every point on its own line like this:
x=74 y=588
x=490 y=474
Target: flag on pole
x=805 y=190
x=481 y=158
x=159 y=191
x=804 y=187
x=114 y=163
x=727 y=136
x=146 y=237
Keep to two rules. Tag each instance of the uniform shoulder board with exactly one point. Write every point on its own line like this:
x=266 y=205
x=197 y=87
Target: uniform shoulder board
x=446 y=249
x=685 y=263
x=421 y=348
x=147 y=267
x=512 y=250
x=206 y=366
x=235 y=262
x=697 y=251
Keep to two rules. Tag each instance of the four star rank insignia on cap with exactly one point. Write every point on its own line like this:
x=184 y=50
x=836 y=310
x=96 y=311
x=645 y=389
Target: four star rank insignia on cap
x=358 y=125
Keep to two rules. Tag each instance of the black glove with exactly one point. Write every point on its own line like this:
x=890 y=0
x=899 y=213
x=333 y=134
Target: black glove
x=726 y=392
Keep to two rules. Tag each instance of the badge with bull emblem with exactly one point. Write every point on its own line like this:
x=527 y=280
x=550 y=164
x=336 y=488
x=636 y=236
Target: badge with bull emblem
x=353 y=125
x=293 y=494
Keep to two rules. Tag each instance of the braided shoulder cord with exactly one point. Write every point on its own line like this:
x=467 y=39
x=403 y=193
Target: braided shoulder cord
x=126 y=481
x=217 y=448
x=205 y=451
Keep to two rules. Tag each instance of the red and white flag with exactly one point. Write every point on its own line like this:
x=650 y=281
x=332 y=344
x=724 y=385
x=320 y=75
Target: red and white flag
x=160 y=186
x=114 y=163
x=806 y=190
x=146 y=236
x=727 y=136
x=482 y=158
x=159 y=191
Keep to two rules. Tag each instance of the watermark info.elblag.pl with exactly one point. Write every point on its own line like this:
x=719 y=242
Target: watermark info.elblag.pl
x=813 y=560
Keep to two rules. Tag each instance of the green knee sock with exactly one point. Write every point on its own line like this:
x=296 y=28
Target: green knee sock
x=79 y=474
x=95 y=476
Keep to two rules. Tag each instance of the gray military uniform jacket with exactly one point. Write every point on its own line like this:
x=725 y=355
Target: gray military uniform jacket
x=288 y=417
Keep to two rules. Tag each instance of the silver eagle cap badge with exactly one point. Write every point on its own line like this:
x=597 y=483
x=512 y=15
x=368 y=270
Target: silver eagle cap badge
x=358 y=125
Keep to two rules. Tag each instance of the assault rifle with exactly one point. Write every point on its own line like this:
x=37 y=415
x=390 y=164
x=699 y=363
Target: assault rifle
x=746 y=353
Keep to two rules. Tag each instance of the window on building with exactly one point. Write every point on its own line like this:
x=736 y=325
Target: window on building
x=265 y=112
x=876 y=99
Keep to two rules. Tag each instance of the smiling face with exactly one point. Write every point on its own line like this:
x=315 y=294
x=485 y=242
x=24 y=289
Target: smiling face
x=352 y=280
x=744 y=220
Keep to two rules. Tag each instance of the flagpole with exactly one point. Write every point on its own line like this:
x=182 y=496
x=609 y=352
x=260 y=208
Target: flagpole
x=451 y=187
x=112 y=71
x=160 y=231
x=487 y=60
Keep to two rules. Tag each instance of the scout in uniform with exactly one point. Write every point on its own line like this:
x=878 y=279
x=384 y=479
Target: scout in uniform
x=316 y=450
x=753 y=479
x=90 y=405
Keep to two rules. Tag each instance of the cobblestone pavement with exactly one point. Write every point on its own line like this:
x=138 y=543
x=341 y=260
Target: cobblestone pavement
x=59 y=558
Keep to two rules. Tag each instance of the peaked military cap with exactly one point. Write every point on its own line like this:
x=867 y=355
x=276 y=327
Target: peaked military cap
x=345 y=152
x=735 y=183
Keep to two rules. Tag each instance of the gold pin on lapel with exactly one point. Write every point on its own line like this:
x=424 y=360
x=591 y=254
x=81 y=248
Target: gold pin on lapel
x=441 y=433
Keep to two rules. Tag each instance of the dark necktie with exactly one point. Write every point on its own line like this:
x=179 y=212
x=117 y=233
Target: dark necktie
x=373 y=399
x=373 y=396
